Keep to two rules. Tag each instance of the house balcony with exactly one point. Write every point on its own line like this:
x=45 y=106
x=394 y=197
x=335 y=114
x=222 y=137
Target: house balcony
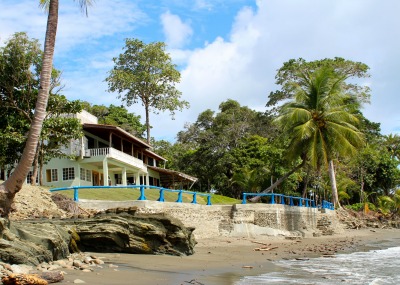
x=113 y=153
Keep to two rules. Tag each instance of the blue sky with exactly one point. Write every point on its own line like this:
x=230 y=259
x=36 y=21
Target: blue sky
x=224 y=48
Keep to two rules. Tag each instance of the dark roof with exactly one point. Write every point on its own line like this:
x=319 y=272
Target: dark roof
x=102 y=131
x=153 y=154
x=168 y=177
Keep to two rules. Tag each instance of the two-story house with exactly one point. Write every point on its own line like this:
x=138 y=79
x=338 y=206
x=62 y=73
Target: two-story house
x=108 y=155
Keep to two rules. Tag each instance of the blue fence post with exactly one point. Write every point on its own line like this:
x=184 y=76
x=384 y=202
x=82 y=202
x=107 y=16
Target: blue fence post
x=291 y=201
x=244 y=198
x=300 y=202
x=76 y=198
x=273 y=199
x=179 y=197
x=313 y=203
x=282 y=200
x=307 y=205
x=142 y=197
x=161 y=199
x=209 y=200
x=194 y=201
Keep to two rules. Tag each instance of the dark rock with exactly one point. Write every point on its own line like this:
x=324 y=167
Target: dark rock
x=35 y=241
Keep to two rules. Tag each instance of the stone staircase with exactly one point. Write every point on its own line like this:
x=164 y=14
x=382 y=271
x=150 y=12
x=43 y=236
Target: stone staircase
x=324 y=226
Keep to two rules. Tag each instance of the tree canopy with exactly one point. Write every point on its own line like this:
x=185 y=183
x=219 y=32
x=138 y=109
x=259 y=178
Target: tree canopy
x=20 y=60
x=145 y=73
x=320 y=115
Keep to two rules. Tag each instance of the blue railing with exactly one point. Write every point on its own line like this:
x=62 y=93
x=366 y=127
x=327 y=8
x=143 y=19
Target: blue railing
x=142 y=189
x=275 y=198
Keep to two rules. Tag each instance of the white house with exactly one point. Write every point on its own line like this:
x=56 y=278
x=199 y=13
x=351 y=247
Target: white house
x=108 y=155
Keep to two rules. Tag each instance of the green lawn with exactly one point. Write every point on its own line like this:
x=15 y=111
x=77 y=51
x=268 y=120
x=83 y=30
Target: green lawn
x=123 y=194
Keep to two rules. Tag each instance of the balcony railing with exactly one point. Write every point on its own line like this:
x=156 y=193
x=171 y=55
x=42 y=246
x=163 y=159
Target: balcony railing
x=115 y=154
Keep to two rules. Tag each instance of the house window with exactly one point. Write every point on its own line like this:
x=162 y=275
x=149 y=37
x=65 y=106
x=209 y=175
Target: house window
x=68 y=173
x=29 y=178
x=51 y=175
x=82 y=174
x=88 y=175
x=150 y=161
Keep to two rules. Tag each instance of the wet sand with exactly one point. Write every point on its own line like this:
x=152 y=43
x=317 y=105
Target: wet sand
x=224 y=260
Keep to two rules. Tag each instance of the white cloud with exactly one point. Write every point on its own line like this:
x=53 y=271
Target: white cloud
x=177 y=33
x=243 y=67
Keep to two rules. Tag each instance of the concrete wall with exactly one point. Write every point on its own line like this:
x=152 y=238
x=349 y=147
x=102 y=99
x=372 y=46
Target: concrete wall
x=246 y=220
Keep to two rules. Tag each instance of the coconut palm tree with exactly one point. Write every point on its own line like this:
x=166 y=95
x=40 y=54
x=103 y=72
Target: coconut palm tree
x=14 y=183
x=321 y=121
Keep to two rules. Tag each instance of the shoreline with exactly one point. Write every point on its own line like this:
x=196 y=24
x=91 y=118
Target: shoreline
x=224 y=260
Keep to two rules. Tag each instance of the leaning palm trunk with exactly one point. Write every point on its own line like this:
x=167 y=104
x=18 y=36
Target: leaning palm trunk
x=278 y=182
x=35 y=167
x=332 y=178
x=14 y=183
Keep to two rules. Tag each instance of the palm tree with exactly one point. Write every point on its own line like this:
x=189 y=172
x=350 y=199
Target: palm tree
x=14 y=183
x=321 y=121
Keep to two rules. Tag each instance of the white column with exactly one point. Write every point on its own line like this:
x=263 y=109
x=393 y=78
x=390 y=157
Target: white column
x=124 y=176
x=147 y=179
x=137 y=179
x=105 y=172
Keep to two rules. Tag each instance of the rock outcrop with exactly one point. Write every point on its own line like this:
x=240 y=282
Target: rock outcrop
x=35 y=241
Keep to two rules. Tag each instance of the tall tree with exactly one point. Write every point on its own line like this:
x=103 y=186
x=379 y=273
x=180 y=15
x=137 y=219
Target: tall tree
x=20 y=61
x=144 y=72
x=321 y=115
x=13 y=184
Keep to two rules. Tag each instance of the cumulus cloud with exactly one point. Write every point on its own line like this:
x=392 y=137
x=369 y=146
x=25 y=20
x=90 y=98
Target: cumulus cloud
x=177 y=33
x=243 y=66
x=240 y=64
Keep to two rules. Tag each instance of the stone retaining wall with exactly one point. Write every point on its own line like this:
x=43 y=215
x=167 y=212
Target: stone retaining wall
x=234 y=220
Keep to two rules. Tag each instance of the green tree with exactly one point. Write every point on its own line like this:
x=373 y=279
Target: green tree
x=144 y=72
x=58 y=130
x=13 y=184
x=321 y=114
x=392 y=143
x=220 y=144
x=20 y=62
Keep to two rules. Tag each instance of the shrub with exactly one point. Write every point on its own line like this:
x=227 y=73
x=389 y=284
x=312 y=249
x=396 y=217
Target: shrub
x=360 y=207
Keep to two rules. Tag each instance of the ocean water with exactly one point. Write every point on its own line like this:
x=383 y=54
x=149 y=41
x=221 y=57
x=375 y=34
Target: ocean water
x=375 y=267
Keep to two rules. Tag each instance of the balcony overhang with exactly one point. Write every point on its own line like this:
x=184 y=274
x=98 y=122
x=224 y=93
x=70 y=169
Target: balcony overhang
x=170 y=177
x=103 y=131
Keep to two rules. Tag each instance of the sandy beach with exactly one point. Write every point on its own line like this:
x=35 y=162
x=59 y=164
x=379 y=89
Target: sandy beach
x=224 y=260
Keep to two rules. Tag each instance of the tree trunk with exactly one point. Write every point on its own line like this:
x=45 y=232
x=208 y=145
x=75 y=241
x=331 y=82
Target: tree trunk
x=35 y=167
x=304 y=195
x=332 y=178
x=41 y=154
x=14 y=183
x=147 y=122
x=362 y=186
x=279 y=181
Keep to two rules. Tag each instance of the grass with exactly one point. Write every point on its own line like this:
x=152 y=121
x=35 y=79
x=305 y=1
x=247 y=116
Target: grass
x=124 y=194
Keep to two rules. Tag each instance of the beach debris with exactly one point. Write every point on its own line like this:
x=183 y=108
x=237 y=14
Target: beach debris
x=247 y=266
x=302 y=258
x=329 y=255
x=23 y=279
x=262 y=243
x=79 y=281
x=293 y=237
x=194 y=281
x=265 y=248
